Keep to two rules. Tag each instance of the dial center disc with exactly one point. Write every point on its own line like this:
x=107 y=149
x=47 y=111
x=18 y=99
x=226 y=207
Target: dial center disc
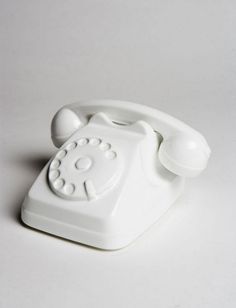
x=83 y=163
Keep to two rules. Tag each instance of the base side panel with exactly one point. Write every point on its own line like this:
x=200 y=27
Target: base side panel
x=109 y=240
x=74 y=233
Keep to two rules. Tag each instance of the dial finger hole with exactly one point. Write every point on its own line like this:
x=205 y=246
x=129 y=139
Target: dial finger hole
x=55 y=163
x=110 y=154
x=54 y=174
x=69 y=189
x=105 y=146
x=71 y=146
x=82 y=141
x=61 y=154
x=94 y=141
x=59 y=183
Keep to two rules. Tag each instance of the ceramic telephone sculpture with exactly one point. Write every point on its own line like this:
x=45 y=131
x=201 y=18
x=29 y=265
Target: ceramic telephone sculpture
x=119 y=167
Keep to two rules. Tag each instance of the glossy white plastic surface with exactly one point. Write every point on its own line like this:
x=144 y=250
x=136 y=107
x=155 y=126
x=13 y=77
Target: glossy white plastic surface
x=119 y=168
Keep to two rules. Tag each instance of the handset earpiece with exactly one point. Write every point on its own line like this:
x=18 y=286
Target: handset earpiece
x=184 y=155
x=64 y=124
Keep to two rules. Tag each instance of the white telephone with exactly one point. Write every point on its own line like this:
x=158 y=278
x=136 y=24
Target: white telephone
x=119 y=168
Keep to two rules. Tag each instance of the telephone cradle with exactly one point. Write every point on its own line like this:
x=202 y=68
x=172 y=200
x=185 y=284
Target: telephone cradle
x=119 y=167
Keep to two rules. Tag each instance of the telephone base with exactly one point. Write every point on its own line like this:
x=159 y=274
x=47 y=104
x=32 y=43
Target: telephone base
x=110 y=224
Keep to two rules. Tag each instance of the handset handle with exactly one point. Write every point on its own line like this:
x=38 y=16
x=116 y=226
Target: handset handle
x=184 y=151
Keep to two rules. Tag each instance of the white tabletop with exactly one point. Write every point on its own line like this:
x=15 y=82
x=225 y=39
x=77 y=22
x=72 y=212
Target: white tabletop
x=176 y=56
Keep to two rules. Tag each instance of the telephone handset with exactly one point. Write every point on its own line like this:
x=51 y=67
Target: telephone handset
x=119 y=167
x=183 y=150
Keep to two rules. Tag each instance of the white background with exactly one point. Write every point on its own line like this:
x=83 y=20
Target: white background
x=177 y=56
